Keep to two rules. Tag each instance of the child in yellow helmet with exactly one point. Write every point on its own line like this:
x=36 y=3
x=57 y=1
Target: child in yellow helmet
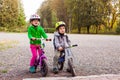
x=60 y=42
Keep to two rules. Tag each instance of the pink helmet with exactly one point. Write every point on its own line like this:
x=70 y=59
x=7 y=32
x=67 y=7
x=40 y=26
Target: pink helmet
x=34 y=16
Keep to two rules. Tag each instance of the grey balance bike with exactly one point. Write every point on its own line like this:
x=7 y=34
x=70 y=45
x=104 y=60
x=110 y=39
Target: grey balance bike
x=67 y=56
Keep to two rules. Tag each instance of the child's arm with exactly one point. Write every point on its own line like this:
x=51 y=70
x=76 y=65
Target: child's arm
x=57 y=44
x=44 y=34
x=30 y=34
x=68 y=40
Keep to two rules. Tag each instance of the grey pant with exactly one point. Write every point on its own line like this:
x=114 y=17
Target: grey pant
x=55 y=58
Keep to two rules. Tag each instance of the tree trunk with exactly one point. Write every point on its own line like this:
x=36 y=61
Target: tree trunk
x=113 y=20
x=79 y=30
x=88 y=27
x=96 y=29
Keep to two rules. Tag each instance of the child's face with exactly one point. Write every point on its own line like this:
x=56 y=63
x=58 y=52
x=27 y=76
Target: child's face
x=62 y=29
x=35 y=22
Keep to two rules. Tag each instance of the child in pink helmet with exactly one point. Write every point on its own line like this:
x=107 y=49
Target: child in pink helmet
x=35 y=31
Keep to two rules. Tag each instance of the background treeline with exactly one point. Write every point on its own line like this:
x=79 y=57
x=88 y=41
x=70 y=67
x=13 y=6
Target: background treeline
x=82 y=16
x=12 y=17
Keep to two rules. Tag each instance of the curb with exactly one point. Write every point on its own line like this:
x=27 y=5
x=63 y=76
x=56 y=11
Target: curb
x=92 y=77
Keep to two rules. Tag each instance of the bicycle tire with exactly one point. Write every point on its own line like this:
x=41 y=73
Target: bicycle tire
x=44 y=68
x=72 y=68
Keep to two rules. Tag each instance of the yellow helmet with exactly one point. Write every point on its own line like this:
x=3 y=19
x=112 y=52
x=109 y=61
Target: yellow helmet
x=60 y=23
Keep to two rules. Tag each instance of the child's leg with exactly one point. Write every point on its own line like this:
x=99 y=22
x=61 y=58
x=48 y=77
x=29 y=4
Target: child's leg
x=34 y=54
x=55 y=59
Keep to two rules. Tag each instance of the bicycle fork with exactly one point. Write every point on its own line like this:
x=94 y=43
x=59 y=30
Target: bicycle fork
x=41 y=58
x=68 y=56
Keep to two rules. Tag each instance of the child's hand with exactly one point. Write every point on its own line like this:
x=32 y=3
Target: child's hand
x=33 y=38
x=60 y=48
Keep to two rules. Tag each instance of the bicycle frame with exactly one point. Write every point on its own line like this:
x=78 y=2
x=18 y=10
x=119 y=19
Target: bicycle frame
x=41 y=60
x=67 y=57
x=68 y=53
x=41 y=57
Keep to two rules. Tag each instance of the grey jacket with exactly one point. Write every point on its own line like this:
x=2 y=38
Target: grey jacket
x=61 y=41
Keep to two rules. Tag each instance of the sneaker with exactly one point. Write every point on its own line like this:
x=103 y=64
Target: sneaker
x=68 y=70
x=32 y=69
x=55 y=70
x=35 y=67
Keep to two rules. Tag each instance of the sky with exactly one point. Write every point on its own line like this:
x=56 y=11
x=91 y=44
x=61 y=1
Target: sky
x=30 y=7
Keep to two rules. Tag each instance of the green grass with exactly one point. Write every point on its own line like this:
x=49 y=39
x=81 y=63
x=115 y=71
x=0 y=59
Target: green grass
x=6 y=44
x=4 y=71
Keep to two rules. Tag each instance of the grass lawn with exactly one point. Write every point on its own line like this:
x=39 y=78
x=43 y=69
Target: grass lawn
x=6 y=44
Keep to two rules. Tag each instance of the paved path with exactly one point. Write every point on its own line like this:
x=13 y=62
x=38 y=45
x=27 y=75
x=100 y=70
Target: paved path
x=95 y=55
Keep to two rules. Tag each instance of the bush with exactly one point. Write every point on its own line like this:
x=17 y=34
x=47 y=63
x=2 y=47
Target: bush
x=14 y=29
x=49 y=30
x=118 y=28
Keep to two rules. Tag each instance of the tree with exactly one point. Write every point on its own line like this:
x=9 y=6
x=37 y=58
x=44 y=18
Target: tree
x=21 y=15
x=46 y=14
x=59 y=8
x=11 y=14
x=73 y=12
x=81 y=13
x=118 y=25
x=114 y=13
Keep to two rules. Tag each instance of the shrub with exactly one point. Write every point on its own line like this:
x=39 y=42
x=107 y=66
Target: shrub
x=118 y=29
x=49 y=30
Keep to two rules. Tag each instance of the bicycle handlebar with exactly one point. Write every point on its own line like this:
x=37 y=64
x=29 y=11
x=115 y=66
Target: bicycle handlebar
x=75 y=45
x=43 y=39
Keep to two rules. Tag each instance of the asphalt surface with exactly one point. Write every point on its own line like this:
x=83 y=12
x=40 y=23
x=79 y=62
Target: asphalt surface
x=95 y=55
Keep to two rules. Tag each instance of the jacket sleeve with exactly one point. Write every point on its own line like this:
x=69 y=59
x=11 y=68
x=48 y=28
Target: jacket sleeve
x=44 y=35
x=68 y=40
x=29 y=33
x=57 y=43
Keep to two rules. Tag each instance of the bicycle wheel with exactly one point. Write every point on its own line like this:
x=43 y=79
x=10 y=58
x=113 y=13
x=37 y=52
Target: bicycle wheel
x=44 y=68
x=72 y=68
x=60 y=65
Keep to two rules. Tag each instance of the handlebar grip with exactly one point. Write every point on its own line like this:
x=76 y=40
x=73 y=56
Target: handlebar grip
x=42 y=39
x=74 y=45
x=48 y=39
